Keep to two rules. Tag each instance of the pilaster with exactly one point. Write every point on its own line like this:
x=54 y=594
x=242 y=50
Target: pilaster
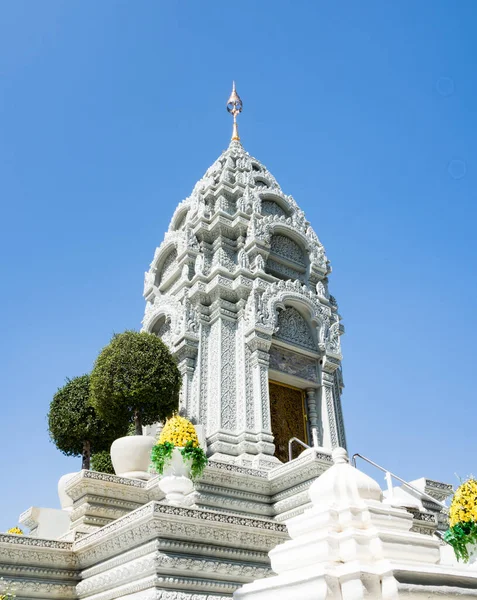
x=314 y=414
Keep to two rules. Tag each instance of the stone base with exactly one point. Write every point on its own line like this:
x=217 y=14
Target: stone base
x=246 y=449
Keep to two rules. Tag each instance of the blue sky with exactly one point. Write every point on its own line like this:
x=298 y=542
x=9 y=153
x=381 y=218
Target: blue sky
x=364 y=111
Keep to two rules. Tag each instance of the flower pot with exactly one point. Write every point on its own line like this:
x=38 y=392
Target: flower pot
x=66 y=502
x=472 y=551
x=176 y=483
x=130 y=456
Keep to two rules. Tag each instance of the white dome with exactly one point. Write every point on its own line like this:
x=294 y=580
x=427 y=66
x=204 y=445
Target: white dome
x=343 y=484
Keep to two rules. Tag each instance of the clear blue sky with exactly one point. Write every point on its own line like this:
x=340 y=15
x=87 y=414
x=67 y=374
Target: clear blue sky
x=364 y=111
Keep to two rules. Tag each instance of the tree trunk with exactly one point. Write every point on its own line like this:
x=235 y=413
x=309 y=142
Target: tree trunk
x=137 y=422
x=86 y=455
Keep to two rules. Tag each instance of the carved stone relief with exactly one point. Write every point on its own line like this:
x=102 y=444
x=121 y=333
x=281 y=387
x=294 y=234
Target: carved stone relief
x=163 y=330
x=168 y=265
x=293 y=363
x=285 y=247
x=280 y=270
x=269 y=207
x=293 y=328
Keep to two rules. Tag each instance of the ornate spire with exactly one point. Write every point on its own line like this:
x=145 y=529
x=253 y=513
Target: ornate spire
x=234 y=107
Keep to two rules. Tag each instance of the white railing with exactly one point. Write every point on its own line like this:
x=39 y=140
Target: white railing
x=314 y=434
x=389 y=480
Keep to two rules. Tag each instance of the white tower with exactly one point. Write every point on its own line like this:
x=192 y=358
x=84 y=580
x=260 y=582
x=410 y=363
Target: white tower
x=238 y=290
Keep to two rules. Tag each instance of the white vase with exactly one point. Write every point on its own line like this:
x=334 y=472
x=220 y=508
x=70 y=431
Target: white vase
x=176 y=482
x=131 y=456
x=472 y=551
x=66 y=502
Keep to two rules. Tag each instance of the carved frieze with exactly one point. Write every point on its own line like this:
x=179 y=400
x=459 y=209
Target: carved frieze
x=293 y=329
x=286 y=248
x=292 y=363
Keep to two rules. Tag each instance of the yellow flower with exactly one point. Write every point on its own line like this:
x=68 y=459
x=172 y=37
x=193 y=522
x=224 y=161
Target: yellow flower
x=15 y=530
x=463 y=507
x=178 y=431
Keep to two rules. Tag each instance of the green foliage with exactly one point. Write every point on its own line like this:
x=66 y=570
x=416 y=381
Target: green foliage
x=135 y=378
x=459 y=535
x=72 y=420
x=101 y=461
x=160 y=454
x=198 y=458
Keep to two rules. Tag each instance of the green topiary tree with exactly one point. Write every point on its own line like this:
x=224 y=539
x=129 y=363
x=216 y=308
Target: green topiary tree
x=135 y=378
x=101 y=461
x=74 y=425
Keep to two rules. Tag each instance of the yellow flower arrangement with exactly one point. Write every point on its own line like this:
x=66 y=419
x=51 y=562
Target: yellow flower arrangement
x=463 y=507
x=179 y=431
x=15 y=530
x=462 y=532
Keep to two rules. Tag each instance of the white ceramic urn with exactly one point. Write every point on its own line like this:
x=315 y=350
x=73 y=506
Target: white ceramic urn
x=131 y=456
x=66 y=502
x=176 y=482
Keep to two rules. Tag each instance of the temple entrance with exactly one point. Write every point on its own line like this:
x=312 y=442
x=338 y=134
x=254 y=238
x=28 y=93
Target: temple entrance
x=288 y=416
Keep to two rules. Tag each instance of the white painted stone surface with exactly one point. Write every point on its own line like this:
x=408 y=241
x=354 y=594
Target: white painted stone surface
x=66 y=502
x=350 y=546
x=47 y=523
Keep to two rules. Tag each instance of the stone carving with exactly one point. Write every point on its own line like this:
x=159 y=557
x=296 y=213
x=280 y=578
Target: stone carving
x=259 y=263
x=333 y=342
x=169 y=265
x=269 y=207
x=250 y=414
x=199 y=264
x=164 y=332
x=294 y=364
x=243 y=260
x=191 y=318
x=293 y=329
x=322 y=290
x=149 y=278
x=228 y=415
x=279 y=269
x=285 y=247
x=337 y=377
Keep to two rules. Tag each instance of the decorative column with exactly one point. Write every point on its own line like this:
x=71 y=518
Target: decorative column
x=314 y=414
x=222 y=394
x=258 y=345
x=186 y=360
x=330 y=432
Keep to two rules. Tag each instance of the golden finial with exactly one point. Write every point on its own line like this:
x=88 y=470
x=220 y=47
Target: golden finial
x=234 y=106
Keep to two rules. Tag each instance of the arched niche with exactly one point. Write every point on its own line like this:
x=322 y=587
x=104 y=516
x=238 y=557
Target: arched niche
x=287 y=259
x=169 y=263
x=272 y=205
x=179 y=221
x=162 y=328
x=262 y=182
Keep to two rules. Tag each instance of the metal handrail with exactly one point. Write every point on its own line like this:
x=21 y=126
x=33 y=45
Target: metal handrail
x=290 y=442
x=389 y=473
